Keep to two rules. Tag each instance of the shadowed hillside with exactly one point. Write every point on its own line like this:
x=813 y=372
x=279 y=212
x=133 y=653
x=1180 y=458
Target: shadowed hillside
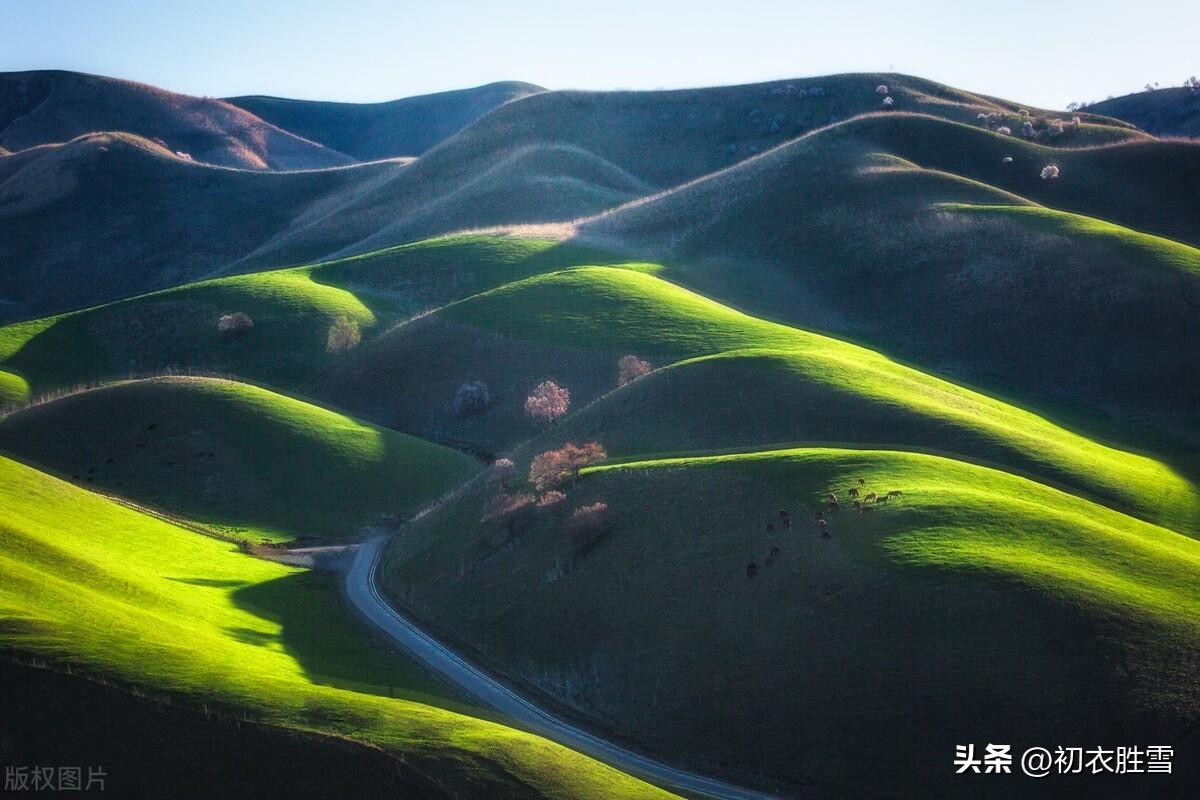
x=54 y=106
x=369 y=131
x=653 y=139
x=1163 y=112
x=917 y=236
x=975 y=601
x=76 y=231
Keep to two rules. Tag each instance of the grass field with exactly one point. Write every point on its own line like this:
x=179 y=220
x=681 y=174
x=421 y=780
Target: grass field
x=978 y=602
x=292 y=310
x=857 y=230
x=246 y=460
x=791 y=384
x=115 y=593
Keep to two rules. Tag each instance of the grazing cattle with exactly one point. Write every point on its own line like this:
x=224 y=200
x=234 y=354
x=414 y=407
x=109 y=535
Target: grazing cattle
x=820 y=515
x=853 y=492
x=831 y=498
x=785 y=518
x=871 y=497
x=862 y=482
x=774 y=551
x=833 y=506
x=751 y=569
x=823 y=527
x=858 y=505
x=895 y=493
x=770 y=528
x=881 y=500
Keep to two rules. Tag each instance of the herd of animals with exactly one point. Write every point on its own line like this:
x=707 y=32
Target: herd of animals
x=860 y=499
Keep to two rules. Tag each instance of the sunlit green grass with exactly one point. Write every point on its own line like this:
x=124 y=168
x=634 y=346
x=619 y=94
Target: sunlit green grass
x=292 y=310
x=13 y=389
x=626 y=311
x=261 y=464
x=86 y=582
x=1153 y=251
x=970 y=518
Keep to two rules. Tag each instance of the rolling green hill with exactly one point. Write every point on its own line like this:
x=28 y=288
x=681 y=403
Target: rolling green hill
x=369 y=131
x=240 y=458
x=292 y=311
x=574 y=324
x=53 y=106
x=849 y=231
x=978 y=601
x=116 y=594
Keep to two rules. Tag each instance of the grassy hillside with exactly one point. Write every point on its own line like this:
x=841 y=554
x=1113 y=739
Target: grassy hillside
x=259 y=464
x=978 y=601
x=292 y=311
x=794 y=385
x=653 y=140
x=75 y=234
x=1163 y=112
x=369 y=131
x=118 y=594
x=46 y=107
x=847 y=231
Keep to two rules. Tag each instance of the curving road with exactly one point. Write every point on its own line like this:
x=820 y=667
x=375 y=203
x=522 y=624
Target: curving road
x=363 y=592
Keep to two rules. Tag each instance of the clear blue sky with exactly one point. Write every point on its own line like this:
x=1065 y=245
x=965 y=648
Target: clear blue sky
x=1044 y=53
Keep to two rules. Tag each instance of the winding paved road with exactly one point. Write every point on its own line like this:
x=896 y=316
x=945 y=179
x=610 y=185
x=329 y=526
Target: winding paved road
x=363 y=592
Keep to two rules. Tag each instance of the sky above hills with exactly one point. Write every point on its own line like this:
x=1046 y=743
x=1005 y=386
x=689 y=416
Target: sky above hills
x=1046 y=54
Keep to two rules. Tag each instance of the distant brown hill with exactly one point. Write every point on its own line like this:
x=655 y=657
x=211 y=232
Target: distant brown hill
x=50 y=107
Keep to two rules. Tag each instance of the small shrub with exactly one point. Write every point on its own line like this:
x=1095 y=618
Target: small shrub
x=472 y=398
x=548 y=402
x=503 y=471
x=586 y=525
x=1049 y=172
x=235 y=324
x=630 y=368
x=556 y=467
x=1192 y=84
x=343 y=336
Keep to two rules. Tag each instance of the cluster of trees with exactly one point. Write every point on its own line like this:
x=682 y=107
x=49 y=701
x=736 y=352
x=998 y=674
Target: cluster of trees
x=508 y=512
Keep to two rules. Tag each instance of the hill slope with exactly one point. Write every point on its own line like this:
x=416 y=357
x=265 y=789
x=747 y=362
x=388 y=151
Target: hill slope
x=370 y=131
x=110 y=592
x=292 y=312
x=849 y=230
x=1163 y=112
x=654 y=139
x=74 y=234
x=50 y=107
x=234 y=456
x=573 y=325
x=977 y=601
